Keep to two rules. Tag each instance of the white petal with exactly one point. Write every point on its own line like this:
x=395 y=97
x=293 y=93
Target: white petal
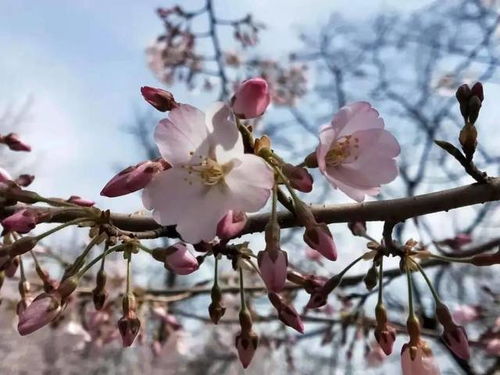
x=226 y=140
x=171 y=193
x=183 y=135
x=199 y=222
x=250 y=183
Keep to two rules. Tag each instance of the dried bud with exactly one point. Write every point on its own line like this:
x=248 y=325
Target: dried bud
x=162 y=100
x=371 y=277
x=262 y=145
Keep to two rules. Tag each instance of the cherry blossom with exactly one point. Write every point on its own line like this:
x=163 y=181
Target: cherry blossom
x=355 y=153
x=210 y=173
x=423 y=362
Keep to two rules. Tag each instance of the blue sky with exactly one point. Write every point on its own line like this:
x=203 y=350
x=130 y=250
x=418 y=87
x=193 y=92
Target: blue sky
x=82 y=63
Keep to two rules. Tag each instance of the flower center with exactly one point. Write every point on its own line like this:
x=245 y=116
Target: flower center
x=209 y=170
x=342 y=149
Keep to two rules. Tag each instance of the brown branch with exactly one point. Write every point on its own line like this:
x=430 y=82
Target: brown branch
x=393 y=210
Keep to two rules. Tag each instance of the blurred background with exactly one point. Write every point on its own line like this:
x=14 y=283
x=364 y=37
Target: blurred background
x=70 y=74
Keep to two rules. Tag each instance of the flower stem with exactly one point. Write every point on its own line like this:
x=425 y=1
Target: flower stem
x=62 y=226
x=428 y=281
x=98 y=258
x=451 y=259
x=242 y=291
x=380 y=281
x=410 y=294
x=146 y=249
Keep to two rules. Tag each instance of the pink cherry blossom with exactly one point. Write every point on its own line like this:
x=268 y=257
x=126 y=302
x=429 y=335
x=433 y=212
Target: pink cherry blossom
x=133 y=178
x=44 y=309
x=231 y=224
x=251 y=98
x=273 y=266
x=464 y=314
x=180 y=260
x=423 y=363
x=210 y=173
x=355 y=153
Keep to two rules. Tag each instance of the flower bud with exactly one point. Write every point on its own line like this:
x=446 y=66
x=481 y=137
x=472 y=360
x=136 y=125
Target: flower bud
x=473 y=108
x=231 y=224
x=418 y=360
x=22 y=245
x=319 y=238
x=129 y=327
x=21 y=221
x=286 y=313
x=273 y=268
x=299 y=178
x=44 y=309
x=80 y=201
x=133 y=178
x=68 y=286
x=477 y=90
x=385 y=337
x=251 y=98
x=484 y=260
x=162 y=100
x=10 y=271
x=246 y=344
x=179 y=260
x=15 y=143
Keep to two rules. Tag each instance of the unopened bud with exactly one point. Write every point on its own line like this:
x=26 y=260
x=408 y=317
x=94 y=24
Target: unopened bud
x=215 y=309
x=68 y=286
x=162 y=100
x=22 y=245
x=357 y=228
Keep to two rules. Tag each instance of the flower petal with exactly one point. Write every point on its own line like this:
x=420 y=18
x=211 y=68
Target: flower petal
x=170 y=194
x=225 y=138
x=183 y=135
x=250 y=184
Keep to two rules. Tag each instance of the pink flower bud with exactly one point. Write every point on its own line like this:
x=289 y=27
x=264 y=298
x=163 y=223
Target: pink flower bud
x=246 y=344
x=455 y=338
x=80 y=201
x=13 y=142
x=162 y=100
x=4 y=176
x=273 y=266
x=464 y=314
x=418 y=360
x=385 y=338
x=231 y=224
x=179 y=260
x=129 y=327
x=317 y=299
x=299 y=178
x=287 y=313
x=251 y=98
x=44 y=309
x=21 y=221
x=319 y=238
x=133 y=178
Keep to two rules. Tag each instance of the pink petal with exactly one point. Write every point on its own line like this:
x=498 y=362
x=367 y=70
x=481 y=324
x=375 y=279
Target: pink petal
x=225 y=139
x=183 y=135
x=361 y=116
x=250 y=184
